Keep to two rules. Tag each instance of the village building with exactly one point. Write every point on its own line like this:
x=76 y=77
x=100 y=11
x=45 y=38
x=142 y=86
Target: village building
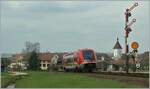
x=116 y=61
x=103 y=61
x=45 y=59
x=116 y=57
x=17 y=62
x=117 y=50
x=49 y=60
x=119 y=59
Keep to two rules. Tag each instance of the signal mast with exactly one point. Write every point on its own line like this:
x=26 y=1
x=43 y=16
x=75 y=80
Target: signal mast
x=127 y=31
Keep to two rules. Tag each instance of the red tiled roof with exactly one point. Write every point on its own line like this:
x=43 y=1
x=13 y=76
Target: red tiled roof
x=118 y=62
x=45 y=56
x=42 y=56
x=17 y=57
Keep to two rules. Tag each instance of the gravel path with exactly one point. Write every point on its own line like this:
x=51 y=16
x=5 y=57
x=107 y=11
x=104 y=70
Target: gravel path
x=11 y=86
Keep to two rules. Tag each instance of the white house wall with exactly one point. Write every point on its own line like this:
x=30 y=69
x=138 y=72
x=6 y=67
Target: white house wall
x=117 y=53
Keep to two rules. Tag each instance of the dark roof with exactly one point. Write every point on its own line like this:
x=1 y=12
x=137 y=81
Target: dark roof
x=117 y=45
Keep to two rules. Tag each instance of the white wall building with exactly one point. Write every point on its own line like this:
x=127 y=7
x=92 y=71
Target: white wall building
x=117 y=50
x=117 y=54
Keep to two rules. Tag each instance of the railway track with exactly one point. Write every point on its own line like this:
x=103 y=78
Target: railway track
x=142 y=75
x=141 y=79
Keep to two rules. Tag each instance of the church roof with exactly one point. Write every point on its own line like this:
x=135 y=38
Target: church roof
x=117 y=45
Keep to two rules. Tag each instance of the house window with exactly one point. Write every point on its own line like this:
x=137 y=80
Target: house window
x=47 y=65
x=44 y=65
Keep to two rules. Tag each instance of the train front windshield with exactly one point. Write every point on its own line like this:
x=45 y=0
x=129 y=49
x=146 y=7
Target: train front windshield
x=88 y=54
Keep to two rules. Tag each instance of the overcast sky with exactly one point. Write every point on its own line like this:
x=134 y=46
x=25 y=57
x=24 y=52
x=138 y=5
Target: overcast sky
x=70 y=25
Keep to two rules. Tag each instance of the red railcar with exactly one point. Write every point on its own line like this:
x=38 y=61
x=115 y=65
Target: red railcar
x=81 y=60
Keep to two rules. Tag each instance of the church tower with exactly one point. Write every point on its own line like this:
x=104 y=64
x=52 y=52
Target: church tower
x=117 y=50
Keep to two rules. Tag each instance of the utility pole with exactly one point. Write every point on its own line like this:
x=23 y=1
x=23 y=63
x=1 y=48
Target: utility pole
x=127 y=31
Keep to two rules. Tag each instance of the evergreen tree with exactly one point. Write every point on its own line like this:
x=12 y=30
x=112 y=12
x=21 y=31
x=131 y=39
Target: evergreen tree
x=34 y=61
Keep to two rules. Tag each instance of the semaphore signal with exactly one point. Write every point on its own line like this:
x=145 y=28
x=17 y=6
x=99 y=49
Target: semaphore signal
x=127 y=31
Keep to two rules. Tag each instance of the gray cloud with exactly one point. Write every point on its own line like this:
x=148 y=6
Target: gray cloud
x=60 y=26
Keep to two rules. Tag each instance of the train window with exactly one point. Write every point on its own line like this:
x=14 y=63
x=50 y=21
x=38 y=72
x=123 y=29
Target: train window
x=88 y=55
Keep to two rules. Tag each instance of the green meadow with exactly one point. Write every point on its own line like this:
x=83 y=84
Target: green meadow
x=67 y=80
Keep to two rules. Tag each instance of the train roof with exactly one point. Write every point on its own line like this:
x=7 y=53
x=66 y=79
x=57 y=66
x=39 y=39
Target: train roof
x=72 y=53
x=85 y=49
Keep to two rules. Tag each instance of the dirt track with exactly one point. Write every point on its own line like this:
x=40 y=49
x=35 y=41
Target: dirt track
x=132 y=80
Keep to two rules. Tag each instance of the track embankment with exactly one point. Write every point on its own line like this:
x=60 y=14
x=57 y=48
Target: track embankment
x=142 y=75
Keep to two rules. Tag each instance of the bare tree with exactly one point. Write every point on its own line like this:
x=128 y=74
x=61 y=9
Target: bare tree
x=29 y=49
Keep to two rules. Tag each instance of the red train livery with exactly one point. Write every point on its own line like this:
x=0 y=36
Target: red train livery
x=81 y=60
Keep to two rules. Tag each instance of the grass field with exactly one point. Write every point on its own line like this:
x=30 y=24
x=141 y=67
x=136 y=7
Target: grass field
x=66 y=80
x=6 y=79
